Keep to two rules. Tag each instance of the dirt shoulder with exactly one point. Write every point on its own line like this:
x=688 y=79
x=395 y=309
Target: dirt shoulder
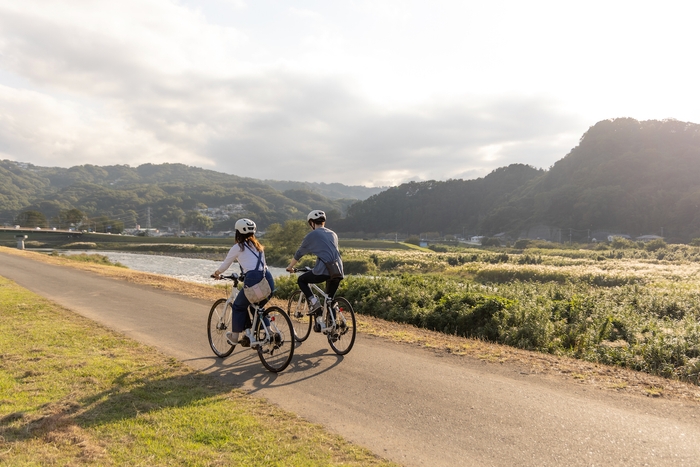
x=602 y=377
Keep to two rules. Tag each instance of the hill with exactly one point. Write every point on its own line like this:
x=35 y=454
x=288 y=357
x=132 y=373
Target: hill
x=156 y=195
x=336 y=191
x=625 y=176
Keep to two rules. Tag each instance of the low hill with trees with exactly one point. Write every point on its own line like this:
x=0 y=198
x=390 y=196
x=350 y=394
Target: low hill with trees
x=625 y=176
x=165 y=196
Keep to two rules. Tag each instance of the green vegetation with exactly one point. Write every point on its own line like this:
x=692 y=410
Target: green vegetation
x=74 y=393
x=638 y=307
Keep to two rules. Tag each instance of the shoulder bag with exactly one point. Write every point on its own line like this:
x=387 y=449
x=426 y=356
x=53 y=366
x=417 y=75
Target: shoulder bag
x=260 y=291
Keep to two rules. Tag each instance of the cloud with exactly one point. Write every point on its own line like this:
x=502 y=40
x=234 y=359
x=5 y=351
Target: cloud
x=48 y=131
x=131 y=82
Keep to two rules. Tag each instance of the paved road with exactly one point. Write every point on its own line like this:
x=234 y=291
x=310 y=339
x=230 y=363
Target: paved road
x=407 y=404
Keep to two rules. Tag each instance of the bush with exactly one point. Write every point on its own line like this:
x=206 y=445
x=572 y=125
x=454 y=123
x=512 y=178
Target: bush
x=359 y=266
x=622 y=243
x=412 y=240
x=654 y=245
x=521 y=244
x=490 y=241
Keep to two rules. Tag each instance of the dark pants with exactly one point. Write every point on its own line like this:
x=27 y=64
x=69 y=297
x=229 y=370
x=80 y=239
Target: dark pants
x=240 y=305
x=310 y=278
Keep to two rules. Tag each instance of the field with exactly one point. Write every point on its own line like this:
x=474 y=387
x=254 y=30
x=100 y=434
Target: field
x=633 y=307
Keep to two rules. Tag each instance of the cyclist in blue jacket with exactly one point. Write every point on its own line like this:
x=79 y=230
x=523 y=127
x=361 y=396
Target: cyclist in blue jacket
x=323 y=243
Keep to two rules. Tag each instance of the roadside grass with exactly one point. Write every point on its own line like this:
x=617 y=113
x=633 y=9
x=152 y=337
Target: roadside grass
x=76 y=393
x=86 y=258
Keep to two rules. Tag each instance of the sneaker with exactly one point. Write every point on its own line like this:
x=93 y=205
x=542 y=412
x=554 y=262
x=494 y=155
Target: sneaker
x=229 y=338
x=315 y=309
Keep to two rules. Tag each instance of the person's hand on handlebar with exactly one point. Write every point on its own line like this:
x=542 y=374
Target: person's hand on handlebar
x=291 y=268
x=216 y=275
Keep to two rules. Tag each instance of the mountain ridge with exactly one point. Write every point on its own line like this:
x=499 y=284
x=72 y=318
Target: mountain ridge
x=624 y=176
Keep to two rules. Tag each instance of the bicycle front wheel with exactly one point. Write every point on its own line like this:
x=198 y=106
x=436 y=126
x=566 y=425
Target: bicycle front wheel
x=342 y=338
x=277 y=348
x=218 y=325
x=298 y=310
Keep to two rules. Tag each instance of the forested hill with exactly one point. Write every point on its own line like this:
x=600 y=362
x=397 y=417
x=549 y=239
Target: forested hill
x=446 y=207
x=163 y=194
x=625 y=176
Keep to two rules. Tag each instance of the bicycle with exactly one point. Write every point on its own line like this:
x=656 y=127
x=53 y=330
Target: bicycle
x=339 y=318
x=271 y=329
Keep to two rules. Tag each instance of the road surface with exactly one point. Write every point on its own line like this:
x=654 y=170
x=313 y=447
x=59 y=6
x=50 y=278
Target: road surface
x=407 y=404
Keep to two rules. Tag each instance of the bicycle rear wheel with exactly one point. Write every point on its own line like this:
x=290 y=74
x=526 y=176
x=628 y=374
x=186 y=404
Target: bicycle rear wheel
x=277 y=351
x=298 y=310
x=342 y=338
x=218 y=325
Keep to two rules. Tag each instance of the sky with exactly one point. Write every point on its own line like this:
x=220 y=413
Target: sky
x=373 y=93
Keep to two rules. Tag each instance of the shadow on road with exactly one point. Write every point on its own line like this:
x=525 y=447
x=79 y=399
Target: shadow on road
x=243 y=367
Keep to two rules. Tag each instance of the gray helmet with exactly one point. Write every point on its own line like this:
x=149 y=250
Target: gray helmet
x=316 y=215
x=245 y=226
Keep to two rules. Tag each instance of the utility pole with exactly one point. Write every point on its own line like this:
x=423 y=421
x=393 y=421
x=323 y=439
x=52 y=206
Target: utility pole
x=569 y=236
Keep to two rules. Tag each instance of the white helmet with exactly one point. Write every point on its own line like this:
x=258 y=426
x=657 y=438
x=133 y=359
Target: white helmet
x=315 y=215
x=245 y=226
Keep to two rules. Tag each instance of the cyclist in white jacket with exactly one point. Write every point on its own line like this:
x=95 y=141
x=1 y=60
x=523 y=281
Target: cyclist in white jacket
x=251 y=257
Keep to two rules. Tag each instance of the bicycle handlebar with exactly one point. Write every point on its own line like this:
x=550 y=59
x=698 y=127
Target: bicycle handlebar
x=235 y=277
x=304 y=269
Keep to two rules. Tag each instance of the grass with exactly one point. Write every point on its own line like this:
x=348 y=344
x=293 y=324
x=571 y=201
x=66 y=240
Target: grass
x=86 y=258
x=74 y=393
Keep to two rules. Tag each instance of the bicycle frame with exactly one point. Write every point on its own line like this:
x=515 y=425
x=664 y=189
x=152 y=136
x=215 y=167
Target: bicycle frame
x=327 y=301
x=254 y=317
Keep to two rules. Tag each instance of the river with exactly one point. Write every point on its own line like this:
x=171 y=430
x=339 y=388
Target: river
x=186 y=269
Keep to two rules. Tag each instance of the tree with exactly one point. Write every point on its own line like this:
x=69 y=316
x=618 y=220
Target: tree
x=31 y=219
x=69 y=218
x=285 y=239
x=197 y=221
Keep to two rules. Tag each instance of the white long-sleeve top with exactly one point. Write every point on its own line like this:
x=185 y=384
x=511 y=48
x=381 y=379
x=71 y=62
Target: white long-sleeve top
x=246 y=258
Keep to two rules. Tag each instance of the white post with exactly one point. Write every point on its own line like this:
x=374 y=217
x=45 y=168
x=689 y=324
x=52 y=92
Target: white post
x=20 y=241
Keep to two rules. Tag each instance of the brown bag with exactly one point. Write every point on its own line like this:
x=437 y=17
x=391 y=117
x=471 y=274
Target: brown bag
x=258 y=292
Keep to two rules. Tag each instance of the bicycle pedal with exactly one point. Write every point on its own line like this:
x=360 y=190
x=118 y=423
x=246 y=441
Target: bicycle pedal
x=245 y=342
